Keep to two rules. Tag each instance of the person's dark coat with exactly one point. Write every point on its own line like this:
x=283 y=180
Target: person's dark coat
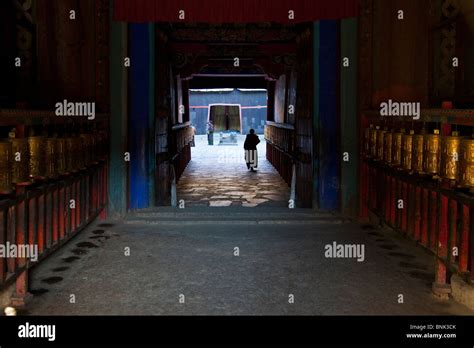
x=251 y=142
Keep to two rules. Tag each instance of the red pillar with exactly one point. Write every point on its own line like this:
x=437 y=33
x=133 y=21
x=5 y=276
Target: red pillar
x=364 y=213
x=433 y=220
x=417 y=214
x=393 y=199
x=41 y=201
x=424 y=217
x=440 y=286
x=55 y=216
x=21 y=294
x=452 y=231
x=464 y=245
x=404 y=215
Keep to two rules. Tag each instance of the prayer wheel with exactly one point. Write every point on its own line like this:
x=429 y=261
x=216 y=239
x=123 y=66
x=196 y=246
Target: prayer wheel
x=466 y=170
x=373 y=142
x=450 y=156
x=51 y=157
x=380 y=136
x=5 y=167
x=397 y=148
x=37 y=163
x=417 y=159
x=431 y=152
x=387 y=147
x=19 y=168
x=407 y=150
x=61 y=161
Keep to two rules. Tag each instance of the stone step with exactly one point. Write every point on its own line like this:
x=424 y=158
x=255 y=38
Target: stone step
x=232 y=222
x=231 y=215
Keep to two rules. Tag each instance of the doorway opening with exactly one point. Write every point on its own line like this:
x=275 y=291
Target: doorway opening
x=216 y=175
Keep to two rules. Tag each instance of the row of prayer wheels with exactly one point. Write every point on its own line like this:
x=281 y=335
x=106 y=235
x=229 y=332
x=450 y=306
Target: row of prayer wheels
x=447 y=157
x=23 y=160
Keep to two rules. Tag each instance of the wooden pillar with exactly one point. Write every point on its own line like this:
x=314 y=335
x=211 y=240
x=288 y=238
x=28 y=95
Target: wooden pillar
x=270 y=101
x=364 y=89
x=151 y=115
x=304 y=139
x=315 y=159
x=117 y=204
x=349 y=130
x=164 y=112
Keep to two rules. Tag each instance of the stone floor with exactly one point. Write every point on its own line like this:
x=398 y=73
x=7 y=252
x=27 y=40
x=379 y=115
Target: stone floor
x=275 y=260
x=217 y=176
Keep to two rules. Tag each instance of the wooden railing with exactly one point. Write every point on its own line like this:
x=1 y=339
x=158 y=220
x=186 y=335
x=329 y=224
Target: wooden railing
x=279 y=138
x=179 y=145
x=47 y=214
x=439 y=219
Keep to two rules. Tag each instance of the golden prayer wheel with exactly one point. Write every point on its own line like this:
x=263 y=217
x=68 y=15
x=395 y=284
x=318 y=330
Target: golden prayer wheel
x=407 y=150
x=51 y=157
x=431 y=152
x=19 y=168
x=61 y=161
x=466 y=170
x=450 y=156
x=380 y=136
x=5 y=167
x=37 y=163
x=373 y=142
x=417 y=153
x=397 y=148
x=387 y=147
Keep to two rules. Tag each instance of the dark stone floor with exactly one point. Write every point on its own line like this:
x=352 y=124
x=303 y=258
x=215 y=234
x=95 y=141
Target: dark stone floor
x=278 y=258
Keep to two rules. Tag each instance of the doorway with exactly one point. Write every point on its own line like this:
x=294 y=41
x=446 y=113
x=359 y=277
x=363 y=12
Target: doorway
x=216 y=175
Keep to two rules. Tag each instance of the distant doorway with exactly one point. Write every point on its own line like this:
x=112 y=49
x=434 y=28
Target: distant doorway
x=225 y=117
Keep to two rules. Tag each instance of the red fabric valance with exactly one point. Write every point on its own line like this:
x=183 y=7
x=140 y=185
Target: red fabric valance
x=233 y=11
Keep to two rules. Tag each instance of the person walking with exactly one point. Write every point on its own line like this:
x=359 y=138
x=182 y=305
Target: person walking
x=250 y=147
x=210 y=133
x=192 y=143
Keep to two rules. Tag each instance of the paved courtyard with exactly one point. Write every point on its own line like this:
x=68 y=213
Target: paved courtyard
x=217 y=176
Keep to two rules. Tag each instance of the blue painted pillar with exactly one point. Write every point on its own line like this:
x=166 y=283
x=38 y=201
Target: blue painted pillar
x=329 y=136
x=151 y=116
x=138 y=135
